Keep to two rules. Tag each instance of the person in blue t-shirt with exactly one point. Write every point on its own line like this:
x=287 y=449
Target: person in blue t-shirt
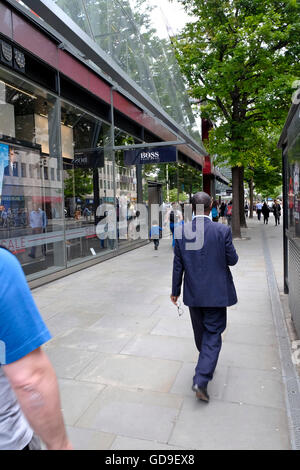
x=29 y=395
x=155 y=234
x=215 y=212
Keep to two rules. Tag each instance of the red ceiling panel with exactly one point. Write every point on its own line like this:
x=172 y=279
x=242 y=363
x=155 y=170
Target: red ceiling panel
x=99 y=88
x=34 y=41
x=73 y=69
x=5 y=21
x=127 y=107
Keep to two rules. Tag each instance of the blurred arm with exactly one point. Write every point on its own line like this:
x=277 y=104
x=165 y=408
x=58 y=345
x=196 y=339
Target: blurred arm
x=35 y=385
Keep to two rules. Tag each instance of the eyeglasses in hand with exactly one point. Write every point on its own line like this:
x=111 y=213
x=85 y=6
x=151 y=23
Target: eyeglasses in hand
x=179 y=308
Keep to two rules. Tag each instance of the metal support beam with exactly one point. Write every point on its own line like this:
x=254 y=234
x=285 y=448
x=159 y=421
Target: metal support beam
x=148 y=145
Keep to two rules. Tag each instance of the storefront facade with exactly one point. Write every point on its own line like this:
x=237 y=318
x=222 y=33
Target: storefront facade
x=290 y=144
x=60 y=122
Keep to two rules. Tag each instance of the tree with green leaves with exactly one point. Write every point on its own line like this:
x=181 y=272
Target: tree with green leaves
x=240 y=59
x=78 y=184
x=264 y=171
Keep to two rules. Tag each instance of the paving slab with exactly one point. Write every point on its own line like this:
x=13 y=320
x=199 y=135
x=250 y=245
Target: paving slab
x=76 y=398
x=249 y=356
x=89 y=439
x=174 y=326
x=163 y=347
x=110 y=340
x=68 y=362
x=230 y=426
x=132 y=372
x=65 y=321
x=248 y=333
x=141 y=415
x=254 y=387
x=137 y=323
x=126 y=443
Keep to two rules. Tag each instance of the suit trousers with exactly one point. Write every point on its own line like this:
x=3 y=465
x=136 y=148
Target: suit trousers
x=208 y=325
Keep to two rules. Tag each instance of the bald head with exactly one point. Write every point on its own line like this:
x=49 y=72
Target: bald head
x=203 y=201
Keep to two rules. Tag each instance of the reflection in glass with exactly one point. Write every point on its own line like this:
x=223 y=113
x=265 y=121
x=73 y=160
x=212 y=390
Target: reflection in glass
x=86 y=165
x=126 y=178
x=31 y=222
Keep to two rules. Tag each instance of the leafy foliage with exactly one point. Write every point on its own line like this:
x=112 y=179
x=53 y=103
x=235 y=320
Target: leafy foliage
x=240 y=59
x=79 y=183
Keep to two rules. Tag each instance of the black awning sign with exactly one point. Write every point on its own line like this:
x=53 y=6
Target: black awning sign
x=89 y=159
x=153 y=155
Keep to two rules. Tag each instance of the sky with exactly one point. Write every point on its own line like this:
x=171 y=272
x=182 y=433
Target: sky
x=172 y=14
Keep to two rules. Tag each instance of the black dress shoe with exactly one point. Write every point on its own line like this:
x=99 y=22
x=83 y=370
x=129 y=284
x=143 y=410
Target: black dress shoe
x=201 y=393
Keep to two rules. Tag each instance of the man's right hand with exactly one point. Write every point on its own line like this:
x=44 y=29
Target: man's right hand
x=174 y=299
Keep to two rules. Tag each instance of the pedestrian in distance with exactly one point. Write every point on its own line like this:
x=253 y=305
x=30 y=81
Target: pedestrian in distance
x=246 y=209
x=258 y=210
x=277 y=212
x=208 y=286
x=154 y=234
x=30 y=407
x=223 y=208
x=214 y=212
x=265 y=212
x=229 y=213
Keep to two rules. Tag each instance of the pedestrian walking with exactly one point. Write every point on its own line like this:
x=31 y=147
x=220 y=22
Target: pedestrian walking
x=29 y=395
x=174 y=216
x=265 y=212
x=229 y=213
x=208 y=286
x=246 y=209
x=214 y=212
x=223 y=208
x=86 y=214
x=277 y=212
x=258 y=210
x=155 y=234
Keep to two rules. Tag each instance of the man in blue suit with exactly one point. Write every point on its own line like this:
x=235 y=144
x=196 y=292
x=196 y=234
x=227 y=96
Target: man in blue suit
x=208 y=285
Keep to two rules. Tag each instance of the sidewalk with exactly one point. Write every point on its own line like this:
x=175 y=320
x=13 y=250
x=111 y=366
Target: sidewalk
x=125 y=360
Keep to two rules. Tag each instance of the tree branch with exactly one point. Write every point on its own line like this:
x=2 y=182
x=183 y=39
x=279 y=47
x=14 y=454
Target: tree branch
x=224 y=110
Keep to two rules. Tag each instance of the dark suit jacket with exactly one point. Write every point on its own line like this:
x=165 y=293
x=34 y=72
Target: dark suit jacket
x=207 y=278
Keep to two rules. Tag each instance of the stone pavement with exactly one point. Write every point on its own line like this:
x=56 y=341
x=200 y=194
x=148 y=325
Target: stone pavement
x=125 y=359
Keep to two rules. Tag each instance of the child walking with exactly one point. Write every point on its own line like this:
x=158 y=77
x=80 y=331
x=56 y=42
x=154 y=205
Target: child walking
x=155 y=233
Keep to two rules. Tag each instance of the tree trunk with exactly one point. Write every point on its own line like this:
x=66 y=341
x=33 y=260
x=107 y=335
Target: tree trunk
x=251 y=198
x=236 y=227
x=242 y=198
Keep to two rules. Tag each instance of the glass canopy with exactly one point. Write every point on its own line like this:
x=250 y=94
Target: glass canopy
x=123 y=29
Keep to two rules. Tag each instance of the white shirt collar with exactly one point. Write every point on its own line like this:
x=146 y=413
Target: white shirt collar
x=194 y=216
